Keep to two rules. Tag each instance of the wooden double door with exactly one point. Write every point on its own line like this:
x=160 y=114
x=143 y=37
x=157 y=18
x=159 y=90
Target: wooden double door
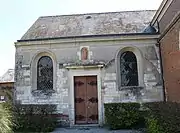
x=86 y=100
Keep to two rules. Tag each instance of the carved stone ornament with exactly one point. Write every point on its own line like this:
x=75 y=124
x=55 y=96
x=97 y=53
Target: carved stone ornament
x=84 y=53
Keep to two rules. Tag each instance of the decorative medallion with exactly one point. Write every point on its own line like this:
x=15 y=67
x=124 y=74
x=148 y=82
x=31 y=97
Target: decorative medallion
x=78 y=100
x=93 y=100
x=84 y=53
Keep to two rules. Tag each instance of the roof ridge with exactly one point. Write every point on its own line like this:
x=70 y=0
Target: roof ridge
x=79 y=14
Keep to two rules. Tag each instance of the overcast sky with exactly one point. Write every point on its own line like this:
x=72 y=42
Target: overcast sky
x=16 y=16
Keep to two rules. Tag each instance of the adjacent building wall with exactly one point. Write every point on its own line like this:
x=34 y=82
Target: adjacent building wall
x=170 y=46
x=6 y=91
x=169 y=27
x=170 y=13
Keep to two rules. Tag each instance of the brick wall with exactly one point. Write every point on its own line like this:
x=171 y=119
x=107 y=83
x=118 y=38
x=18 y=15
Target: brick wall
x=171 y=62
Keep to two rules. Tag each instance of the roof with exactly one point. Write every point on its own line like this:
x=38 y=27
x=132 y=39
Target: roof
x=8 y=76
x=89 y=24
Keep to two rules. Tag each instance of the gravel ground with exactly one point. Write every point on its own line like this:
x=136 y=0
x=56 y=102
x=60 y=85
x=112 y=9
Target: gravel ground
x=91 y=130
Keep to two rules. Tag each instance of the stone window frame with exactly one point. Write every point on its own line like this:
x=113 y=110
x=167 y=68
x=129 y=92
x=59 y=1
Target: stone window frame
x=34 y=63
x=140 y=67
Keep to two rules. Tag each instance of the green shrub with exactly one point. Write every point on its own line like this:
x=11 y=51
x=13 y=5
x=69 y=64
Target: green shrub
x=5 y=118
x=35 y=118
x=163 y=117
x=123 y=115
x=152 y=125
x=160 y=117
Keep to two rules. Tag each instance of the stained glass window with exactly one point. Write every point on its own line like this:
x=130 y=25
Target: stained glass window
x=128 y=69
x=45 y=73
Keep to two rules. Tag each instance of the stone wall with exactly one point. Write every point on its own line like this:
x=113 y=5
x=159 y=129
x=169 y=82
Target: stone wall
x=65 y=54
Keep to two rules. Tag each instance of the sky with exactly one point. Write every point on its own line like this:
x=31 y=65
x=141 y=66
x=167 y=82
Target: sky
x=16 y=17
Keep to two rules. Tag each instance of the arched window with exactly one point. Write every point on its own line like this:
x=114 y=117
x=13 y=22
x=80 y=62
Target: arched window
x=128 y=69
x=45 y=73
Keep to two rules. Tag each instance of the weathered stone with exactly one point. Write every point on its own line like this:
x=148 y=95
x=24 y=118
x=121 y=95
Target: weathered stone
x=110 y=76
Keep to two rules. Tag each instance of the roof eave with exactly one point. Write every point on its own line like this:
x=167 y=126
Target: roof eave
x=6 y=82
x=87 y=36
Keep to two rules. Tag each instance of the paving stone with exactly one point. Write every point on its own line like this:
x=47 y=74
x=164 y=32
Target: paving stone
x=92 y=130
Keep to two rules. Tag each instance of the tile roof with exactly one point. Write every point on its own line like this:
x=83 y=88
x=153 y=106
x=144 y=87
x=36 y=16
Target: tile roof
x=89 y=24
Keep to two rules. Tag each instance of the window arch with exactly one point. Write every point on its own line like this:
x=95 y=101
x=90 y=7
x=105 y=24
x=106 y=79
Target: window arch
x=128 y=69
x=45 y=73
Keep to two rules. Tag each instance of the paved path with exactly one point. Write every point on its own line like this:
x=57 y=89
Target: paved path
x=91 y=130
